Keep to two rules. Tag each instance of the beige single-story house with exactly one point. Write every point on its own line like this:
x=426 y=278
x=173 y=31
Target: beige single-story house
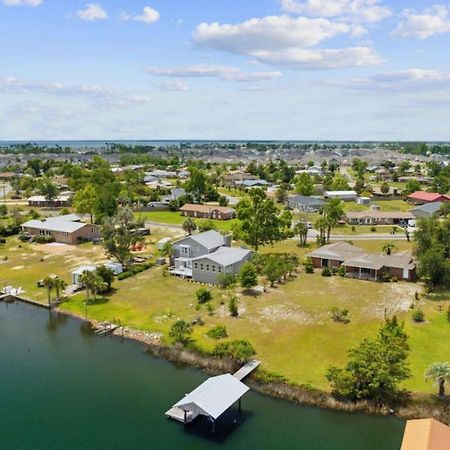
x=426 y=434
x=359 y=263
x=64 y=229
x=374 y=217
x=208 y=212
x=39 y=201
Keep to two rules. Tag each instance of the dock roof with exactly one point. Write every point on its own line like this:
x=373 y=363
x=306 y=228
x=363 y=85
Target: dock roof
x=213 y=397
x=426 y=434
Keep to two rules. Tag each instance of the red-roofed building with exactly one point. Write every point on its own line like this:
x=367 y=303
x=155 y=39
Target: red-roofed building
x=421 y=197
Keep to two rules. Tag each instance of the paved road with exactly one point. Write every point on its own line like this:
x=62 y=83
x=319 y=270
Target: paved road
x=163 y=225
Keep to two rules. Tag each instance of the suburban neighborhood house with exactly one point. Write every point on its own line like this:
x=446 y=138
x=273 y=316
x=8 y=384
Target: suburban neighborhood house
x=303 y=203
x=204 y=256
x=65 y=229
x=39 y=201
x=421 y=197
x=358 y=263
x=232 y=178
x=345 y=196
x=427 y=210
x=208 y=268
x=374 y=217
x=208 y=212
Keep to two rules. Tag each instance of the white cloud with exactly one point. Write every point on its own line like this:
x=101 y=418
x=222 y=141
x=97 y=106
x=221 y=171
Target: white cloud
x=320 y=59
x=174 y=86
x=16 y=86
x=287 y=42
x=272 y=32
x=422 y=25
x=22 y=2
x=148 y=15
x=92 y=11
x=227 y=73
x=400 y=81
x=370 y=11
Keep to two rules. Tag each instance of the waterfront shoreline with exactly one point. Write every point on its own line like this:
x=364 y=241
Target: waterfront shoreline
x=415 y=408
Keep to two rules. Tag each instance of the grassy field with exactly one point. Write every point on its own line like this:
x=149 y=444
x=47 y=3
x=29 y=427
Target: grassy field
x=385 y=205
x=290 y=325
x=175 y=218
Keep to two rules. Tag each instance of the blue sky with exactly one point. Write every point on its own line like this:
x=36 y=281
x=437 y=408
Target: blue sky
x=223 y=69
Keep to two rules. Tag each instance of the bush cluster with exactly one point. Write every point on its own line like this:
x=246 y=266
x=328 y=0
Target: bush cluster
x=138 y=268
x=44 y=239
x=217 y=332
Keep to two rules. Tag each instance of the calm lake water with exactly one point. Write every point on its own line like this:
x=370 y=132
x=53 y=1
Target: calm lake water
x=61 y=387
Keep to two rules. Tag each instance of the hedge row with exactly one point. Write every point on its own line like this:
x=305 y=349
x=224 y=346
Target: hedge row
x=138 y=268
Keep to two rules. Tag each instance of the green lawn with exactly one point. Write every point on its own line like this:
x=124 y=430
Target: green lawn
x=175 y=218
x=385 y=205
x=290 y=326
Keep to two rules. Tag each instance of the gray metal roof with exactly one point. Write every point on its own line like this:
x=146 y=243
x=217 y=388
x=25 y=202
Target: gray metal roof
x=226 y=256
x=338 y=251
x=427 y=208
x=213 y=397
x=208 y=239
x=308 y=201
x=64 y=226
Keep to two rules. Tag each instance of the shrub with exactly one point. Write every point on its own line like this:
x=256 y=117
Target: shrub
x=248 y=277
x=203 y=295
x=326 y=272
x=225 y=280
x=418 y=316
x=2 y=240
x=373 y=229
x=239 y=350
x=353 y=228
x=124 y=275
x=217 y=332
x=340 y=315
x=448 y=314
x=309 y=268
x=44 y=239
x=180 y=331
x=233 y=306
x=341 y=271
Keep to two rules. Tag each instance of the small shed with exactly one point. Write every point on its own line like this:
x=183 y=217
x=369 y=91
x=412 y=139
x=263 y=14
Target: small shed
x=363 y=200
x=76 y=274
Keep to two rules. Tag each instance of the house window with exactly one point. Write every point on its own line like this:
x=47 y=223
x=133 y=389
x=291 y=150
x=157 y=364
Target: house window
x=195 y=265
x=201 y=266
x=219 y=269
x=213 y=268
x=207 y=267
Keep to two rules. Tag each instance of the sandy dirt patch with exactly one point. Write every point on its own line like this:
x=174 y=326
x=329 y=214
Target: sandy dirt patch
x=397 y=298
x=17 y=267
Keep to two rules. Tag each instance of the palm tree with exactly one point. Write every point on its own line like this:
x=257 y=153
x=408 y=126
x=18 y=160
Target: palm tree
x=301 y=229
x=98 y=285
x=439 y=372
x=49 y=284
x=59 y=286
x=189 y=225
x=87 y=281
x=388 y=247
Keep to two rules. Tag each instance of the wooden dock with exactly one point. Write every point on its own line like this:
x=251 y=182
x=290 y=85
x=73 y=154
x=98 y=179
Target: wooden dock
x=247 y=369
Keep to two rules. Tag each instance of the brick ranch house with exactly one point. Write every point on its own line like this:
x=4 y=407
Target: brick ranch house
x=67 y=230
x=358 y=263
x=208 y=212
x=374 y=217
